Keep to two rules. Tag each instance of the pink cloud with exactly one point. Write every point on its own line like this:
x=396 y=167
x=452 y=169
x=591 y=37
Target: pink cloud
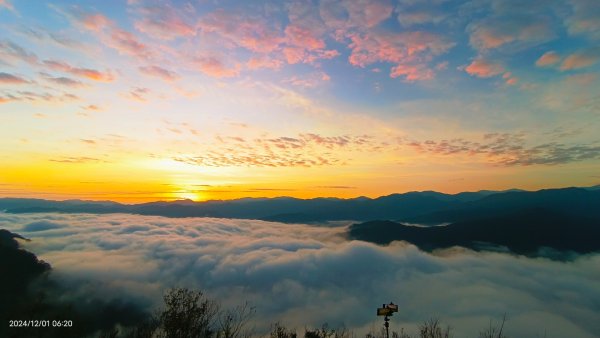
x=494 y=33
x=126 y=43
x=581 y=59
x=483 y=68
x=254 y=34
x=109 y=33
x=548 y=59
x=6 y=4
x=214 y=67
x=264 y=62
x=298 y=36
x=510 y=79
x=157 y=71
x=164 y=22
x=95 y=22
x=412 y=73
x=309 y=81
x=408 y=50
x=88 y=73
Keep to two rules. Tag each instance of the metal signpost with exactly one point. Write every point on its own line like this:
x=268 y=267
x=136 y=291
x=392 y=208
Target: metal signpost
x=387 y=310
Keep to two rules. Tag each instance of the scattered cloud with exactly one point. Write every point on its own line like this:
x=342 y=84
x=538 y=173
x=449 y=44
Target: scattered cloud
x=164 y=22
x=61 y=80
x=11 y=79
x=511 y=150
x=581 y=59
x=10 y=51
x=305 y=150
x=160 y=72
x=139 y=94
x=6 y=4
x=87 y=73
x=585 y=18
x=409 y=52
x=548 y=59
x=76 y=159
x=481 y=67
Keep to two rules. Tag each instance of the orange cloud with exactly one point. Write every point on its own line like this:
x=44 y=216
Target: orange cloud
x=88 y=73
x=157 y=71
x=412 y=72
x=581 y=59
x=6 y=78
x=548 y=59
x=213 y=67
x=483 y=68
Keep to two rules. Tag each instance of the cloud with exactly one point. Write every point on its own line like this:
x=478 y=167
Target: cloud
x=355 y=14
x=511 y=149
x=585 y=18
x=42 y=226
x=212 y=66
x=239 y=30
x=548 y=59
x=10 y=51
x=63 y=81
x=164 y=22
x=108 y=32
x=76 y=159
x=419 y=17
x=26 y=95
x=160 y=72
x=304 y=150
x=308 y=81
x=6 y=4
x=6 y=78
x=306 y=275
x=139 y=94
x=484 y=68
x=491 y=34
x=581 y=59
x=88 y=73
x=408 y=51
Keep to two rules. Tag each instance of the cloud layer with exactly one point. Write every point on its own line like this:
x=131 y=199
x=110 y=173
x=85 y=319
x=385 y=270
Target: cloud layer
x=306 y=275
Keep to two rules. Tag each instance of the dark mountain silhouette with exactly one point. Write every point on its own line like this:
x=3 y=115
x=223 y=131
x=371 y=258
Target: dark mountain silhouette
x=525 y=232
x=26 y=292
x=427 y=207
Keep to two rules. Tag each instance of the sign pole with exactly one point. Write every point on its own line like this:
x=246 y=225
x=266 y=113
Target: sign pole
x=387 y=310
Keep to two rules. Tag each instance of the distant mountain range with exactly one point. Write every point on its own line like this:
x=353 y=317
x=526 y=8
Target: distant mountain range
x=426 y=207
x=565 y=219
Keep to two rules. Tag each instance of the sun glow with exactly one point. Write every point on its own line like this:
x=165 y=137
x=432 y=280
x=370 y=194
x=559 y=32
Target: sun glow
x=188 y=195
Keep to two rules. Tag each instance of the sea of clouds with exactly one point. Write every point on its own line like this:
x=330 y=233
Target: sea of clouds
x=304 y=276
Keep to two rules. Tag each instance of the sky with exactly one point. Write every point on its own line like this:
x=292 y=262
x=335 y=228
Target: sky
x=312 y=275
x=160 y=100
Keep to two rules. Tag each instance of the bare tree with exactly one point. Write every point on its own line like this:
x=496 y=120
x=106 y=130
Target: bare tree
x=494 y=331
x=187 y=314
x=233 y=323
x=280 y=331
x=433 y=329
